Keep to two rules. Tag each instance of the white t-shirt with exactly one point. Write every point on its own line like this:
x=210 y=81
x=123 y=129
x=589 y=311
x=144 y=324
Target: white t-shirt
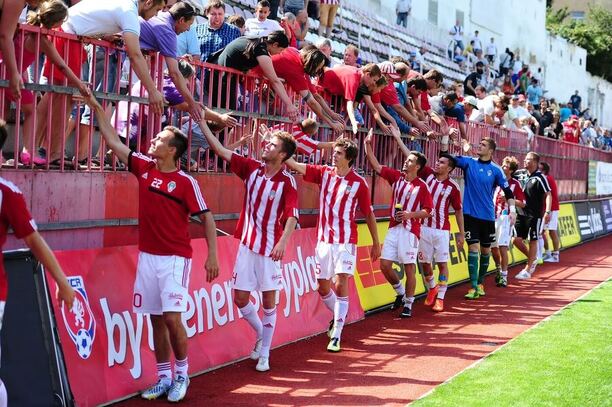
x=486 y=107
x=457 y=31
x=491 y=49
x=508 y=119
x=477 y=43
x=260 y=29
x=94 y=18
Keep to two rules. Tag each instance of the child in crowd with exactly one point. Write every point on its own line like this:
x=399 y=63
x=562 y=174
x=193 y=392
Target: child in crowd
x=261 y=26
x=237 y=21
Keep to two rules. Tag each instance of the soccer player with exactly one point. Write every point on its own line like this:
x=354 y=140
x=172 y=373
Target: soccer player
x=551 y=226
x=435 y=233
x=167 y=197
x=14 y=214
x=529 y=222
x=503 y=229
x=411 y=203
x=341 y=191
x=270 y=202
x=481 y=176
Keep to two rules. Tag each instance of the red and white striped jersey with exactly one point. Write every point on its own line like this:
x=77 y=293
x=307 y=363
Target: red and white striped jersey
x=268 y=203
x=305 y=144
x=443 y=194
x=338 y=200
x=499 y=199
x=412 y=195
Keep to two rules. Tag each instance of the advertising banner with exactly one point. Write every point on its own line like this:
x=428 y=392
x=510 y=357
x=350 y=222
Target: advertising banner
x=375 y=291
x=603 y=178
x=567 y=227
x=590 y=223
x=596 y=218
x=606 y=209
x=108 y=348
x=592 y=178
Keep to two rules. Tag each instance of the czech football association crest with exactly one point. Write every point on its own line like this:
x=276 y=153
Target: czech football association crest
x=79 y=320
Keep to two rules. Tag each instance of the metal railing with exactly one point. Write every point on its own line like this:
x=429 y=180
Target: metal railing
x=247 y=96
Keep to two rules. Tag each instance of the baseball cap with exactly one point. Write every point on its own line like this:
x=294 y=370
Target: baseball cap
x=515 y=97
x=471 y=100
x=388 y=69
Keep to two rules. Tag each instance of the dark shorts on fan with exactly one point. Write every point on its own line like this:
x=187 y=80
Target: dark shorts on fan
x=479 y=231
x=528 y=227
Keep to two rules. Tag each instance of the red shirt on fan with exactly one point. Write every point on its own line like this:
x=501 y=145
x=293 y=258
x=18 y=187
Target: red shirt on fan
x=268 y=203
x=288 y=66
x=412 y=195
x=499 y=199
x=305 y=145
x=388 y=95
x=338 y=200
x=13 y=213
x=554 y=193
x=444 y=194
x=342 y=80
x=166 y=200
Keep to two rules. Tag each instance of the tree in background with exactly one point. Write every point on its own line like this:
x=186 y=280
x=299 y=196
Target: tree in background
x=593 y=34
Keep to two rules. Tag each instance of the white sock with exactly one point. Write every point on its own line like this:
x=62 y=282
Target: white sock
x=431 y=283
x=249 y=313
x=556 y=253
x=540 y=248
x=329 y=300
x=181 y=367
x=340 y=311
x=504 y=273
x=442 y=291
x=269 y=323
x=164 y=372
x=408 y=301
x=399 y=288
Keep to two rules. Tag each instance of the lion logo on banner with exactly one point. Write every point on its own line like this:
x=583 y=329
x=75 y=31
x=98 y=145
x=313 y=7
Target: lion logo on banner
x=79 y=320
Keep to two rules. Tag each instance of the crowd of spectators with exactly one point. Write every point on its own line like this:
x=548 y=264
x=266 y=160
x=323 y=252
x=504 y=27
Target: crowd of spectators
x=508 y=85
x=400 y=92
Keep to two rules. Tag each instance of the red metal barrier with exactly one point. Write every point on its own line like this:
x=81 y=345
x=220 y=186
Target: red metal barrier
x=246 y=95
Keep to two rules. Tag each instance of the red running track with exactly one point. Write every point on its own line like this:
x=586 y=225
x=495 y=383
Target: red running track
x=387 y=361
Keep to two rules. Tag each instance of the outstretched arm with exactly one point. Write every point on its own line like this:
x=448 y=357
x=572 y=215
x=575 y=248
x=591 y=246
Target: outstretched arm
x=214 y=142
x=195 y=108
x=51 y=52
x=43 y=254
x=265 y=63
x=367 y=142
x=398 y=139
x=139 y=65
x=11 y=10
x=108 y=131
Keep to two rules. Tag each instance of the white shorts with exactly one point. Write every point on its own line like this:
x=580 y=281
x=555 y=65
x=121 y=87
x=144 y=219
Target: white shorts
x=161 y=284
x=434 y=245
x=255 y=272
x=335 y=258
x=400 y=245
x=553 y=222
x=503 y=231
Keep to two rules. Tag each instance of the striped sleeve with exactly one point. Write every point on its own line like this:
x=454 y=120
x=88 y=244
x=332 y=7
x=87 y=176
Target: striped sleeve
x=193 y=196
